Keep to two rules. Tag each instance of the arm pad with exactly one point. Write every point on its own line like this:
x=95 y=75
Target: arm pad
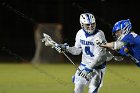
x=74 y=51
x=118 y=45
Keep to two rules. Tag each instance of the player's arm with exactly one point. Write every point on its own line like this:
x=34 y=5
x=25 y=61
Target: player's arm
x=108 y=45
x=114 y=45
x=76 y=49
x=73 y=50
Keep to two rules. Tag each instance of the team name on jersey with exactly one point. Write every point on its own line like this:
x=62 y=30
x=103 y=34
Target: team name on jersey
x=83 y=42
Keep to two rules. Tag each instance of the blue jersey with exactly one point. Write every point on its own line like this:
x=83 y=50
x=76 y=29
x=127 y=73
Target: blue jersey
x=132 y=41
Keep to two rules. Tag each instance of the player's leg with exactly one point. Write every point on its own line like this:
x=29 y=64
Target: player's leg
x=97 y=81
x=79 y=82
x=79 y=88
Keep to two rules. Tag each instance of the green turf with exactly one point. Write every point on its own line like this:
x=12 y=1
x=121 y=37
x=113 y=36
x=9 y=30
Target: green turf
x=50 y=78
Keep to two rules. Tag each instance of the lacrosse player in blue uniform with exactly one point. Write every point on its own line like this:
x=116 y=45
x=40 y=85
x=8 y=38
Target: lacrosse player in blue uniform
x=94 y=57
x=127 y=42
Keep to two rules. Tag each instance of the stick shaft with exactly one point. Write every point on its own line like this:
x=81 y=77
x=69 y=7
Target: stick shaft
x=71 y=61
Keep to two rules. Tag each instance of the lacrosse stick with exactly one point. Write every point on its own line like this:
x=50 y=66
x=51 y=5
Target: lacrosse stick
x=49 y=42
x=134 y=59
x=118 y=58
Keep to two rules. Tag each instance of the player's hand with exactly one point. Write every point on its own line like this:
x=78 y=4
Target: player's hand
x=86 y=73
x=62 y=47
x=99 y=41
x=58 y=49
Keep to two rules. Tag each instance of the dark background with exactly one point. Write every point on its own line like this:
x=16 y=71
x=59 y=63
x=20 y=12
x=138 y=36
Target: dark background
x=17 y=31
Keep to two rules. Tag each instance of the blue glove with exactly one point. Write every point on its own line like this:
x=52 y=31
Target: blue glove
x=86 y=73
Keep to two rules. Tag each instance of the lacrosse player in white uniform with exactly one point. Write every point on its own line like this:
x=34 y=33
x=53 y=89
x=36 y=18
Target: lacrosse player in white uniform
x=94 y=57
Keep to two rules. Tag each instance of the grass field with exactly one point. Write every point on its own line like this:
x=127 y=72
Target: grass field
x=50 y=78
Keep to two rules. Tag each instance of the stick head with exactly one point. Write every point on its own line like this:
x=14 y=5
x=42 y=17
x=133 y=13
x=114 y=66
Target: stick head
x=48 y=40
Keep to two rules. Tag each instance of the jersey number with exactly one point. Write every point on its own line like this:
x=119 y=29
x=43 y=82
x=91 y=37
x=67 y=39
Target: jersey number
x=88 y=52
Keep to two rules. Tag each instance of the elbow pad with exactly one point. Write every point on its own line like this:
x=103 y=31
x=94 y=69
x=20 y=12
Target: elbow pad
x=74 y=50
x=118 y=45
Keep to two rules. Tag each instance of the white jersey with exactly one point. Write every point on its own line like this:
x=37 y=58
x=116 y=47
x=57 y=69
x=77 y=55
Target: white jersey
x=92 y=54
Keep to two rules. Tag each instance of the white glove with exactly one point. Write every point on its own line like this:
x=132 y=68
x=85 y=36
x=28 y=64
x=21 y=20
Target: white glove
x=59 y=49
x=86 y=73
x=99 y=41
x=62 y=47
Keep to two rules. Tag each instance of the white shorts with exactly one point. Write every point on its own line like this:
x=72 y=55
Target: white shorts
x=98 y=71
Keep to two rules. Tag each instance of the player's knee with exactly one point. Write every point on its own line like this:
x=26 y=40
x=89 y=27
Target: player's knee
x=78 y=89
x=93 y=89
x=95 y=86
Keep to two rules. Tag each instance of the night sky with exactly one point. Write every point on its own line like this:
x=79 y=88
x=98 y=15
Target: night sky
x=18 y=18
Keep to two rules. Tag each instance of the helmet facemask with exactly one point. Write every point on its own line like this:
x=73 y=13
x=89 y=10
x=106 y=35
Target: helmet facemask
x=89 y=28
x=88 y=23
x=117 y=35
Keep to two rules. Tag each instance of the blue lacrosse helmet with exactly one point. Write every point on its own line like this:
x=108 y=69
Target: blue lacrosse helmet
x=123 y=25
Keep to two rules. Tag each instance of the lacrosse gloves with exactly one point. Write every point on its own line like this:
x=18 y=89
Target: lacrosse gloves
x=62 y=47
x=86 y=73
